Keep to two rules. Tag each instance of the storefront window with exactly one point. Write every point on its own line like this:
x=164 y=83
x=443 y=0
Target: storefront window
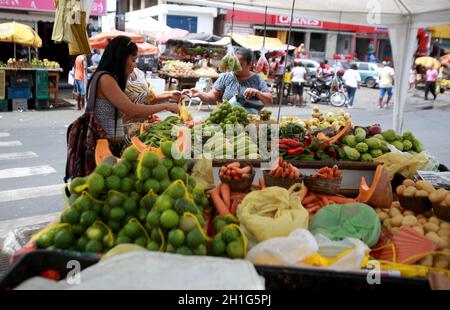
x=318 y=41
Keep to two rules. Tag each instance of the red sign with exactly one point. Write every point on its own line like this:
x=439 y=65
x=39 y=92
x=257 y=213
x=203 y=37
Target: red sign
x=298 y=21
x=98 y=7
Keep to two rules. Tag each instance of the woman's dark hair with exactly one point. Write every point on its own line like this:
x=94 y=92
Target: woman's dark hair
x=114 y=59
x=247 y=53
x=354 y=67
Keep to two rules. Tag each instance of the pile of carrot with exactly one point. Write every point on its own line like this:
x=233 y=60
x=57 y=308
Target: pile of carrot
x=328 y=173
x=314 y=202
x=282 y=169
x=225 y=201
x=234 y=171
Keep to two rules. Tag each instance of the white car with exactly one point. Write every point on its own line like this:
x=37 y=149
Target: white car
x=310 y=65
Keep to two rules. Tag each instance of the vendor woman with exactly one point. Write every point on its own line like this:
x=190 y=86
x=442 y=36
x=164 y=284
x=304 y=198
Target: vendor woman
x=242 y=83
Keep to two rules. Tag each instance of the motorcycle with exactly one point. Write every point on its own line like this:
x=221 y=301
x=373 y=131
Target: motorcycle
x=329 y=89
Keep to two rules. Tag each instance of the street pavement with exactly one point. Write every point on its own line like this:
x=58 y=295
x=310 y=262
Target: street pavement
x=33 y=148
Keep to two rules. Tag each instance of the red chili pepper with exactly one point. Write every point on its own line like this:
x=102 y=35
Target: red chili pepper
x=290 y=142
x=51 y=274
x=283 y=146
x=296 y=151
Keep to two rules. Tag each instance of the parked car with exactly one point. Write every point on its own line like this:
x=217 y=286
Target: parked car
x=369 y=73
x=310 y=66
x=340 y=64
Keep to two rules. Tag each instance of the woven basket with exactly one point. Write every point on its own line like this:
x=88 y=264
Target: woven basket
x=281 y=182
x=323 y=186
x=442 y=212
x=242 y=185
x=415 y=204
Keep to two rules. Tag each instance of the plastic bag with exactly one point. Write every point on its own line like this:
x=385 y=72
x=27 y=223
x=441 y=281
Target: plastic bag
x=262 y=66
x=271 y=212
x=301 y=248
x=353 y=220
x=230 y=62
x=138 y=90
x=202 y=172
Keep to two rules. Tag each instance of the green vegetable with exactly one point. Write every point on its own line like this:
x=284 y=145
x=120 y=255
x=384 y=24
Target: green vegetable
x=373 y=143
x=360 y=135
x=398 y=145
x=362 y=147
x=384 y=146
x=350 y=140
x=376 y=152
x=407 y=145
x=389 y=135
x=379 y=137
x=366 y=157
x=351 y=153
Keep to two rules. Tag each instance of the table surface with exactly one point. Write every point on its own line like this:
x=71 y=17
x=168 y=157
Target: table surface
x=31 y=69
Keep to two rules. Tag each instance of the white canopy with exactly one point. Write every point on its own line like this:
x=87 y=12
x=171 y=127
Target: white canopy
x=402 y=17
x=146 y=26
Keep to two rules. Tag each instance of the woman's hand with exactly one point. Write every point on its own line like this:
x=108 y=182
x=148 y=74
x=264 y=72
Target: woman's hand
x=176 y=95
x=172 y=107
x=251 y=93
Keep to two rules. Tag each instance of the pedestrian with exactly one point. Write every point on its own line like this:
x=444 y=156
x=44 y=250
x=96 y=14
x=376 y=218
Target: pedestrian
x=431 y=76
x=299 y=75
x=352 y=81
x=111 y=103
x=372 y=58
x=80 y=68
x=412 y=78
x=96 y=56
x=386 y=78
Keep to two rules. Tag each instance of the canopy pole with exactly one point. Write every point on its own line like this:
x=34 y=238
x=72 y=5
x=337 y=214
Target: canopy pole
x=15 y=51
x=265 y=26
x=280 y=95
x=232 y=20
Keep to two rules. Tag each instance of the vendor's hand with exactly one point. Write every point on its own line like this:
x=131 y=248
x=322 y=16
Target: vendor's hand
x=176 y=95
x=193 y=92
x=173 y=107
x=251 y=93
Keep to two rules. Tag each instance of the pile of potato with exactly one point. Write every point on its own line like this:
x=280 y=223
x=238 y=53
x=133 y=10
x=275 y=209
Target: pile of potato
x=409 y=188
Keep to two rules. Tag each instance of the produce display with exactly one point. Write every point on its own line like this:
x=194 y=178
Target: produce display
x=230 y=63
x=155 y=132
x=234 y=171
x=178 y=68
x=219 y=146
x=35 y=63
x=206 y=72
x=328 y=173
x=284 y=169
x=226 y=114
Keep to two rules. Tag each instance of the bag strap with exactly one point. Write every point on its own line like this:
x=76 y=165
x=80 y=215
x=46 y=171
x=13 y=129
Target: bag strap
x=92 y=91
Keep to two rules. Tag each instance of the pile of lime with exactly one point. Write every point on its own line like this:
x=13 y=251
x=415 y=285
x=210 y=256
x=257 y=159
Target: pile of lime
x=228 y=240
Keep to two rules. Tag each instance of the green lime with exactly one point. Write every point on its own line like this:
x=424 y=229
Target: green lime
x=104 y=170
x=148 y=201
x=97 y=208
x=84 y=202
x=81 y=243
x=184 y=250
x=153 y=246
x=117 y=214
x=78 y=230
x=180 y=162
x=114 y=225
x=169 y=219
x=110 y=160
x=175 y=190
x=130 y=205
x=135 y=195
x=127 y=185
x=107 y=242
x=205 y=202
x=70 y=215
x=113 y=182
x=131 y=153
x=72 y=199
x=170 y=249
x=235 y=249
x=106 y=210
x=229 y=234
x=150 y=159
x=218 y=246
x=178 y=173
x=153 y=218
x=183 y=205
x=123 y=239
x=187 y=223
x=142 y=241
x=163 y=202
x=120 y=169
x=160 y=172
x=194 y=238
x=96 y=182
x=143 y=173
x=88 y=218
x=141 y=214
x=164 y=184
x=94 y=233
x=75 y=183
x=166 y=148
x=63 y=238
x=201 y=250
x=139 y=186
x=133 y=230
x=94 y=246
x=167 y=162
x=176 y=237
x=127 y=218
x=151 y=184
x=219 y=225
x=155 y=235
x=45 y=240
x=116 y=199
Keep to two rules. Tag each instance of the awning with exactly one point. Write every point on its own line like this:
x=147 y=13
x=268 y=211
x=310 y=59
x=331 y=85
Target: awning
x=200 y=39
x=296 y=29
x=30 y=19
x=255 y=43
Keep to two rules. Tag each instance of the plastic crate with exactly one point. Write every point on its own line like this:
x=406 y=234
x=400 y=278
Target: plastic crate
x=20 y=105
x=41 y=86
x=23 y=80
x=19 y=93
x=4 y=105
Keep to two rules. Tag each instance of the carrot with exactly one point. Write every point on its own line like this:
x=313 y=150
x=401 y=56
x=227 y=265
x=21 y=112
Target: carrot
x=262 y=183
x=324 y=199
x=218 y=202
x=303 y=193
x=225 y=193
x=313 y=209
x=332 y=202
x=312 y=205
x=339 y=199
x=308 y=199
x=236 y=164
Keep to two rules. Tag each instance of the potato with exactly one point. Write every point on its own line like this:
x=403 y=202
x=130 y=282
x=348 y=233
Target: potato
x=444 y=243
x=377 y=210
x=421 y=193
x=423 y=221
x=438 y=195
x=420 y=216
x=400 y=189
x=383 y=216
x=408 y=182
x=419 y=229
x=387 y=222
x=409 y=191
x=393 y=212
x=408 y=213
x=420 y=184
x=433 y=236
x=409 y=220
x=425 y=185
x=427 y=261
x=397 y=220
x=431 y=227
x=435 y=220
x=394 y=230
x=444 y=232
x=395 y=204
x=445 y=225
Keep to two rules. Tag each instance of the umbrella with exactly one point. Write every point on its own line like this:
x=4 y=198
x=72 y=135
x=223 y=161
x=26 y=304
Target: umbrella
x=146 y=49
x=101 y=40
x=428 y=61
x=18 y=33
x=173 y=33
x=445 y=60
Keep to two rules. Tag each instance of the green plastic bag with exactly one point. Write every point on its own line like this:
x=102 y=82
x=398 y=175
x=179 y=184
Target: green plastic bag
x=354 y=220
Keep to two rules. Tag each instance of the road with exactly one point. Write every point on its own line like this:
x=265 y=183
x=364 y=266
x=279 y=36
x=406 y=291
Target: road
x=33 y=150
